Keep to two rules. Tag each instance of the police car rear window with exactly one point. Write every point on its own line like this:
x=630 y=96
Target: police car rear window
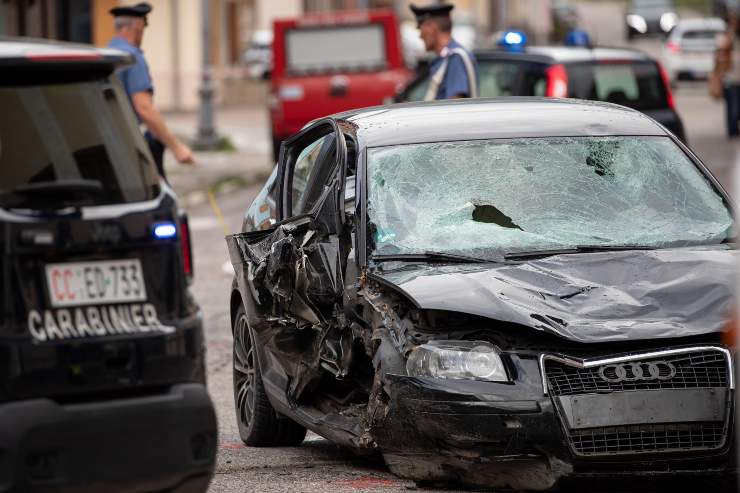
x=71 y=133
x=637 y=85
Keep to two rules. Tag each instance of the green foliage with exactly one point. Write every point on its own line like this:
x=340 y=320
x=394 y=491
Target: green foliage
x=223 y=144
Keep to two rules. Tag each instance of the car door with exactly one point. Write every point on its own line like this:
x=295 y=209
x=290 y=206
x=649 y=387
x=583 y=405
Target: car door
x=291 y=276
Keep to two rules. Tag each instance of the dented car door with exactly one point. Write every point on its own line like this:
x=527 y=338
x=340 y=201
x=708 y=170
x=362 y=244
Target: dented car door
x=293 y=272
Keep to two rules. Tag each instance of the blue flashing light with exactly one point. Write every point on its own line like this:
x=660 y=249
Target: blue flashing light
x=513 y=38
x=577 y=37
x=165 y=230
x=513 y=41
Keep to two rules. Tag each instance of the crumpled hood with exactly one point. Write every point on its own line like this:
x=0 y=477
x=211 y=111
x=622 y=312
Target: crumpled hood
x=589 y=297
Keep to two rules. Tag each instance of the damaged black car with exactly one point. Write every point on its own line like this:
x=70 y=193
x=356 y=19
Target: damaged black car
x=489 y=301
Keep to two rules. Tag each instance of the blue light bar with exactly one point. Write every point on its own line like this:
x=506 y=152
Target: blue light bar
x=165 y=230
x=513 y=41
x=577 y=37
x=513 y=38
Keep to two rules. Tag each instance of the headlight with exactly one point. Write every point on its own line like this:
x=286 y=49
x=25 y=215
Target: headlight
x=637 y=22
x=668 y=21
x=469 y=360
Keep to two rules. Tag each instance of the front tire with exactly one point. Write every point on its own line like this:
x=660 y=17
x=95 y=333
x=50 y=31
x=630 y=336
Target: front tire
x=259 y=424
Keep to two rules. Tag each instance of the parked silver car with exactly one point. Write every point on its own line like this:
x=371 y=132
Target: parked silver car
x=689 y=50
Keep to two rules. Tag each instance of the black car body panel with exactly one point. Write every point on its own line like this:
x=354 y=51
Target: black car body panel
x=588 y=297
x=101 y=342
x=670 y=120
x=161 y=441
x=336 y=325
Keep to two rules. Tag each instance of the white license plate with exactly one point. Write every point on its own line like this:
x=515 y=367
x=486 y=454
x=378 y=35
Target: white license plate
x=93 y=283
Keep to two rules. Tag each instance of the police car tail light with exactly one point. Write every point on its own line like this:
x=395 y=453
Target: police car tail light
x=187 y=256
x=557 y=82
x=667 y=85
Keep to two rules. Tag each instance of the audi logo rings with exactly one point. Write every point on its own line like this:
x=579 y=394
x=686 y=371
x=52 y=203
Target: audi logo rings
x=635 y=372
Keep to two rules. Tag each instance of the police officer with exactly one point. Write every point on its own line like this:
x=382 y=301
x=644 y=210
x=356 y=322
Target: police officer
x=454 y=70
x=130 y=22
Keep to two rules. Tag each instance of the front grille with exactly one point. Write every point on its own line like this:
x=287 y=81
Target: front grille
x=642 y=439
x=702 y=369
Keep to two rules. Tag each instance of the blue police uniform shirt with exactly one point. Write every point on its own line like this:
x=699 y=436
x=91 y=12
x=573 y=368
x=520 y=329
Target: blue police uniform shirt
x=134 y=78
x=455 y=81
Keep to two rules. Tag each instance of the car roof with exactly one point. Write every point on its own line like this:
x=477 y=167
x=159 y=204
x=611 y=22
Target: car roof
x=492 y=118
x=28 y=52
x=567 y=54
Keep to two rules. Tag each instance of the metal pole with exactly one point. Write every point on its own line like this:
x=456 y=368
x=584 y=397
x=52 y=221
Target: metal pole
x=206 y=138
x=176 y=69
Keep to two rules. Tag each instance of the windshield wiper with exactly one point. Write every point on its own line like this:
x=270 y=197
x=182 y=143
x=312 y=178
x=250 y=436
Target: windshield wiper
x=572 y=250
x=432 y=257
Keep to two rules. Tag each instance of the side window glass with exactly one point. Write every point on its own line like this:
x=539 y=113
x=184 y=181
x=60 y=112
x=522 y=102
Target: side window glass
x=419 y=90
x=539 y=87
x=312 y=163
x=262 y=214
x=499 y=79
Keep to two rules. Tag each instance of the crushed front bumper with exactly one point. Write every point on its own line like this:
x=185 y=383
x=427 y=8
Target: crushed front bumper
x=162 y=442
x=519 y=435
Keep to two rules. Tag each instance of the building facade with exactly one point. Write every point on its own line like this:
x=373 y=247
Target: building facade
x=173 y=43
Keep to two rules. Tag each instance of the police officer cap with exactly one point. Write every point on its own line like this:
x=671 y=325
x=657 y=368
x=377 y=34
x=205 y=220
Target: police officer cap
x=428 y=11
x=139 y=10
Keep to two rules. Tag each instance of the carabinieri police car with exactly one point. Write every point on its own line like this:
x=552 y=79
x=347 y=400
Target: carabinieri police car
x=102 y=374
x=615 y=75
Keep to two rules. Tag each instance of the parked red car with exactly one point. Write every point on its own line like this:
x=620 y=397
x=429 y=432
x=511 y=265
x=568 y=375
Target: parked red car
x=332 y=62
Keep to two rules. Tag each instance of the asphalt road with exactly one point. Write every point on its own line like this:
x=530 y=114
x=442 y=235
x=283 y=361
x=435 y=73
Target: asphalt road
x=318 y=466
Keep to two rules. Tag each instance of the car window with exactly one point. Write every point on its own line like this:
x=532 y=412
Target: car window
x=535 y=80
x=497 y=78
x=636 y=85
x=331 y=48
x=417 y=90
x=311 y=170
x=262 y=214
x=707 y=35
x=489 y=198
x=80 y=131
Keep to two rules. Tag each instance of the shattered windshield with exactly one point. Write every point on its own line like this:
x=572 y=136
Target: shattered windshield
x=490 y=198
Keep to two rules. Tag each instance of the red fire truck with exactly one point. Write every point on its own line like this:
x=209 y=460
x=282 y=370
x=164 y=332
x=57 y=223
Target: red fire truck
x=332 y=62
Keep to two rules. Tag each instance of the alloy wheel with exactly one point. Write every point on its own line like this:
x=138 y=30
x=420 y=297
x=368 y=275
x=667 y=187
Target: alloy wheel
x=244 y=372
